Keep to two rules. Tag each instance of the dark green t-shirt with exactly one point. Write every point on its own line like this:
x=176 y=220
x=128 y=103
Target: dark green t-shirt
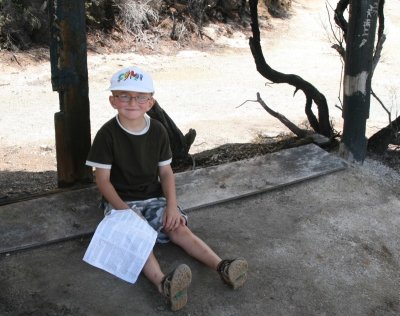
x=133 y=158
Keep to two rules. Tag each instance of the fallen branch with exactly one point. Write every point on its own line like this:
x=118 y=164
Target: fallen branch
x=283 y=119
x=303 y=134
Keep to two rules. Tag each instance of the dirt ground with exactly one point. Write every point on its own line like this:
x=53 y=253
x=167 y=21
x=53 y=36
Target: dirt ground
x=327 y=246
x=208 y=88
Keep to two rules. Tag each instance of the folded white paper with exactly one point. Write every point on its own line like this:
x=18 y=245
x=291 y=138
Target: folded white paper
x=121 y=244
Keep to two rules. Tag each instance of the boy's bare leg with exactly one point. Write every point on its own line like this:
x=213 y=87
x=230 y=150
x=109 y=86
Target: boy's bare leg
x=194 y=246
x=173 y=286
x=232 y=271
x=153 y=271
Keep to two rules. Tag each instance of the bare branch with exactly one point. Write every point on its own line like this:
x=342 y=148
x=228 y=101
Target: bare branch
x=339 y=107
x=339 y=41
x=381 y=19
x=382 y=105
x=339 y=18
x=378 y=51
x=301 y=133
x=245 y=102
x=340 y=49
x=291 y=126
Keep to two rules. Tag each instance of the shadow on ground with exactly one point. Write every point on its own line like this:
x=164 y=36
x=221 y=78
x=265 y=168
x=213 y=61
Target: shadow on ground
x=24 y=184
x=326 y=246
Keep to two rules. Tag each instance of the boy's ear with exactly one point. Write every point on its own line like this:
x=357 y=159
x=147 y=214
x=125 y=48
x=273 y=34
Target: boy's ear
x=153 y=101
x=111 y=99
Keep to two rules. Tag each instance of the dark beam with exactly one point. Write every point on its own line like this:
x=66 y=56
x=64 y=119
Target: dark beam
x=69 y=76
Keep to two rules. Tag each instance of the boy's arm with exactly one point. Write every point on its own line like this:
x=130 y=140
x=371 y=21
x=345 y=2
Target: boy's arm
x=107 y=189
x=172 y=217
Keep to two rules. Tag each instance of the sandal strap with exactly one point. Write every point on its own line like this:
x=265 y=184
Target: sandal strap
x=166 y=284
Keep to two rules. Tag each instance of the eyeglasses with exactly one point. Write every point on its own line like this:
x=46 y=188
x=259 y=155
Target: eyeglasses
x=140 y=99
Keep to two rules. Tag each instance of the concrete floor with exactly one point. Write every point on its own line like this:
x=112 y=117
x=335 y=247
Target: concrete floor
x=326 y=246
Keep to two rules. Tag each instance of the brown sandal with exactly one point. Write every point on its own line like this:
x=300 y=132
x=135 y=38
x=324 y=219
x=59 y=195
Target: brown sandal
x=233 y=272
x=174 y=286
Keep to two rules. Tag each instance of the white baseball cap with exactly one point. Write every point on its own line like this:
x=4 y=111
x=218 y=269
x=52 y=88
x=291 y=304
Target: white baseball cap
x=132 y=79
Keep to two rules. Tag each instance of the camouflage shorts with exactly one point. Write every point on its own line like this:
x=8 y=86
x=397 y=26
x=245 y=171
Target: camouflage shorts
x=152 y=210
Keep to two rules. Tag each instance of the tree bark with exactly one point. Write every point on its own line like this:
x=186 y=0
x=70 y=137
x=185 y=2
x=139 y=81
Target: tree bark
x=357 y=77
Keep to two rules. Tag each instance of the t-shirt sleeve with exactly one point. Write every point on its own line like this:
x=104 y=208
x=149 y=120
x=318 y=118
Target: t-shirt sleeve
x=101 y=154
x=165 y=148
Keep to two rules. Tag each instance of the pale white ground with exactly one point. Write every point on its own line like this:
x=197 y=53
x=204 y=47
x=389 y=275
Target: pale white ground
x=201 y=89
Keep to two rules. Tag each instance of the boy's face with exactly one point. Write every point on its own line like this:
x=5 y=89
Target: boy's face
x=131 y=105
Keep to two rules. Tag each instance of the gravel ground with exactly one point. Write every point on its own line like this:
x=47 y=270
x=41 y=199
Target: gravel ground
x=205 y=88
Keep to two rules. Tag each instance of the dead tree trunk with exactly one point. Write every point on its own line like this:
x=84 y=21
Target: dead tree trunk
x=321 y=124
x=379 y=142
x=180 y=144
x=357 y=77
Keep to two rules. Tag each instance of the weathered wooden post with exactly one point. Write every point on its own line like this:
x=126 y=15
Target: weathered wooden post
x=69 y=76
x=357 y=77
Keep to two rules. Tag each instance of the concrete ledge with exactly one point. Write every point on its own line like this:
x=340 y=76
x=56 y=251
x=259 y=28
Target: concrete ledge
x=48 y=219
x=72 y=214
x=222 y=183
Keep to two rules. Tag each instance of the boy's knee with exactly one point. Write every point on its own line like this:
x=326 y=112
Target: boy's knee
x=181 y=232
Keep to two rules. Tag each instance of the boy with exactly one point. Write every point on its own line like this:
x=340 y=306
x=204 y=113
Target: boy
x=132 y=158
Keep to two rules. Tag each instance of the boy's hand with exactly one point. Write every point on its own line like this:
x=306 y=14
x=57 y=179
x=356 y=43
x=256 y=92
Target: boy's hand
x=172 y=219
